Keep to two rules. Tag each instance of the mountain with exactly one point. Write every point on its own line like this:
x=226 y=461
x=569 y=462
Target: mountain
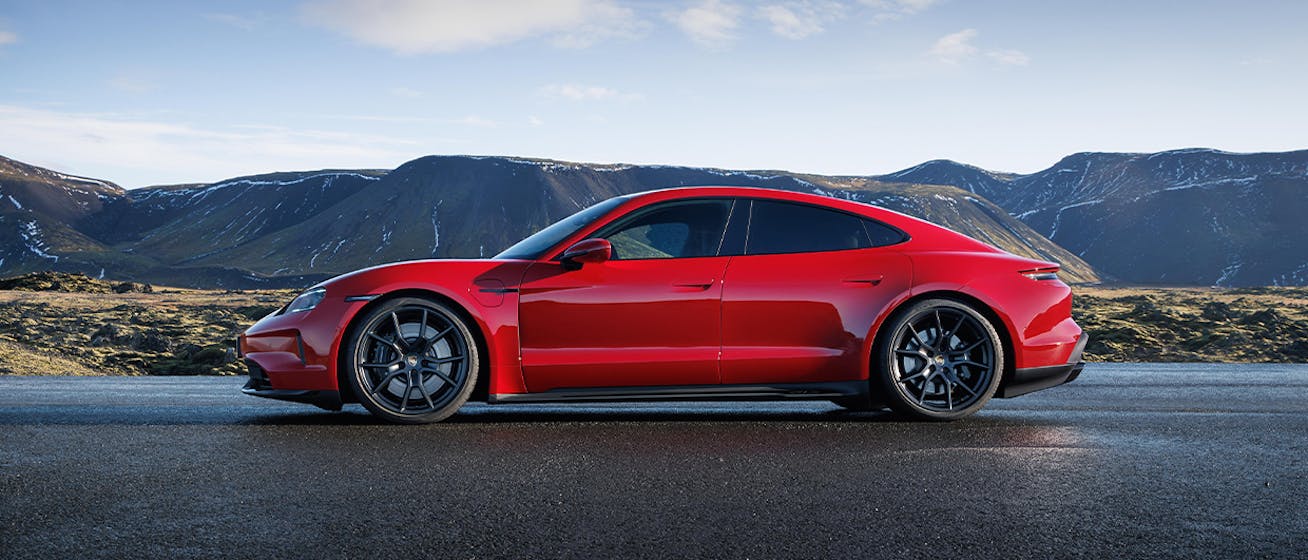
x=290 y=229
x=1189 y=217
x=38 y=208
x=946 y=172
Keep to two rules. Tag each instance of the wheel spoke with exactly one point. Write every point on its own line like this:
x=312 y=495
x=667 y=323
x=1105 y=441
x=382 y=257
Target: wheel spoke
x=440 y=374
x=968 y=389
x=940 y=332
x=390 y=343
x=440 y=335
x=949 y=393
x=917 y=337
x=408 y=388
x=926 y=381
x=954 y=331
x=969 y=347
x=399 y=333
x=385 y=381
x=446 y=360
x=915 y=375
x=972 y=363
x=368 y=365
x=422 y=389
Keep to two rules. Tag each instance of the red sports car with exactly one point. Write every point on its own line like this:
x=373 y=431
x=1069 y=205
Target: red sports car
x=705 y=293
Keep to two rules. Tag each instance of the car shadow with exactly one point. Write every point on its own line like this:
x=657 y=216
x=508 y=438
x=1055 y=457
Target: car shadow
x=276 y=414
x=354 y=415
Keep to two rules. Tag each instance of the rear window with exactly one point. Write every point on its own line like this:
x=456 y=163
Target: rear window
x=783 y=227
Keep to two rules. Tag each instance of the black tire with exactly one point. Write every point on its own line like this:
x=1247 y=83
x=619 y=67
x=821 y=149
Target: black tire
x=411 y=361
x=938 y=359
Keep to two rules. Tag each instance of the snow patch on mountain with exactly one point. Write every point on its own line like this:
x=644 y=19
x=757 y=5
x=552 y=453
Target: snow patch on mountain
x=32 y=237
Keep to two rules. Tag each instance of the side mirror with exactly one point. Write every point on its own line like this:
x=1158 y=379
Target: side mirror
x=587 y=251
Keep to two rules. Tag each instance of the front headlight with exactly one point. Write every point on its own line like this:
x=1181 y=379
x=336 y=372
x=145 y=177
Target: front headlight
x=307 y=300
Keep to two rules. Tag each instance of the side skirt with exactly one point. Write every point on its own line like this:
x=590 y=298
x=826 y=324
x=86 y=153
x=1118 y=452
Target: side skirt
x=774 y=392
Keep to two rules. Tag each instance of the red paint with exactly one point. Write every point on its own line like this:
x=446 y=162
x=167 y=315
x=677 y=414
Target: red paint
x=731 y=319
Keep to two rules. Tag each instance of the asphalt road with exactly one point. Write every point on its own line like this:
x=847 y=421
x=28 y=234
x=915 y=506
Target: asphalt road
x=1130 y=460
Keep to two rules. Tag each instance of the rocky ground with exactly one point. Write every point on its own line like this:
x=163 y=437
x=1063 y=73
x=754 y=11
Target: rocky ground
x=1194 y=324
x=62 y=324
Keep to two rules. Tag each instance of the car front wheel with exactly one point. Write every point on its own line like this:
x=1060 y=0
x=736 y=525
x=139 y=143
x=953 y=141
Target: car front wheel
x=412 y=361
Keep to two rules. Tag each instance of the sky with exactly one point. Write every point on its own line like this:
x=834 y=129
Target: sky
x=144 y=93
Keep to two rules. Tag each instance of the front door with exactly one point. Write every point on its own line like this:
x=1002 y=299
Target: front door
x=650 y=316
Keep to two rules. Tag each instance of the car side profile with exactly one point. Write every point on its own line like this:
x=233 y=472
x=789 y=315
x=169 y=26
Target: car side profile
x=700 y=293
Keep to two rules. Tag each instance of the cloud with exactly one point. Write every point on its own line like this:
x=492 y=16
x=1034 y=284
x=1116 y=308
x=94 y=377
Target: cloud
x=895 y=9
x=144 y=151
x=578 y=92
x=244 y=23
x=1009 y=57
x=956 y=48
x=711 y=23
x=533 y=120
x=8 y=38
x=797 y=20
x=605 y=20
x=442 y=26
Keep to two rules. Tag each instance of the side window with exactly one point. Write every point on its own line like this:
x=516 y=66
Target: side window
x=783 y=227
x=681 y=229
x=882 y=234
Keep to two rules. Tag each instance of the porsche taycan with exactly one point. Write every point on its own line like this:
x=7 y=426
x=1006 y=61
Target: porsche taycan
x=701 y=293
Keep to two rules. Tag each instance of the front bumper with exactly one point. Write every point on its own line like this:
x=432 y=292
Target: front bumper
x=1027 y=380
x=259 y=386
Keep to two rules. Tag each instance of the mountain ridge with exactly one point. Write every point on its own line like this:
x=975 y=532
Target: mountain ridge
x=1192 y=216
x=279 y=229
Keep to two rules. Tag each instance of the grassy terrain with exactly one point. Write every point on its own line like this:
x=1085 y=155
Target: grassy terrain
x=73 y=325
x=90 y=329
x=1194 y=324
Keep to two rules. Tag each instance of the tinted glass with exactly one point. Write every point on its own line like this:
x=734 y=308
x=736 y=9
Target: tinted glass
x=672 y=230
x=534 y=246
x=781 y=227
x=882 y=234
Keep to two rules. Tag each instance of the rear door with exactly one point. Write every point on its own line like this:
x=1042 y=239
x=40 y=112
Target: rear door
x=798 y=304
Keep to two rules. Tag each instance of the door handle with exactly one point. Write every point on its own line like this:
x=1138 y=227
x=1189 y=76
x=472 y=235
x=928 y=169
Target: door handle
x=866 y=280
x=700 y=285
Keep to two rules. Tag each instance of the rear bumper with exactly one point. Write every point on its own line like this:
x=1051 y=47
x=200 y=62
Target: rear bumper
x=259 y=386
x=1027 y=380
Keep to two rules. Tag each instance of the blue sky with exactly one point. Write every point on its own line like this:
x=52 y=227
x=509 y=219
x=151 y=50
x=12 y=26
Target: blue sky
x=148 y=93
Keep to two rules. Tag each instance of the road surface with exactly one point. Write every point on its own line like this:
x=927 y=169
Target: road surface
x=1146 y=460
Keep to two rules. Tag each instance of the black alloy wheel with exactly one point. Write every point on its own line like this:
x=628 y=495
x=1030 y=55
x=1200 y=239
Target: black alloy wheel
x=940 y=360
x=412 y=361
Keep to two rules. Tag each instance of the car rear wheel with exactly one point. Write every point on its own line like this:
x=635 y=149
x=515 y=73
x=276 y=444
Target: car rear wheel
x=939 y=360
x=412 y=361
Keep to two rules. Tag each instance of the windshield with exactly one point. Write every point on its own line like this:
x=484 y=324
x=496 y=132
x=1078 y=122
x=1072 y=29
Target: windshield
x=534 y=246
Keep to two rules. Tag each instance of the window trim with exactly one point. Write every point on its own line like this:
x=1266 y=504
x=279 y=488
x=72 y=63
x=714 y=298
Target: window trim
x=904 y=237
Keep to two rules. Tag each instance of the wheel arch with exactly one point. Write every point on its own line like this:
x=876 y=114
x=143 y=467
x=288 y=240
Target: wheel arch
x=1002 y=326
x=480 y=391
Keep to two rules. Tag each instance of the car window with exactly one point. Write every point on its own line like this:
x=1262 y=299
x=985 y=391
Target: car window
x=882 y=234
x=680 y=229
x=783 y=227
